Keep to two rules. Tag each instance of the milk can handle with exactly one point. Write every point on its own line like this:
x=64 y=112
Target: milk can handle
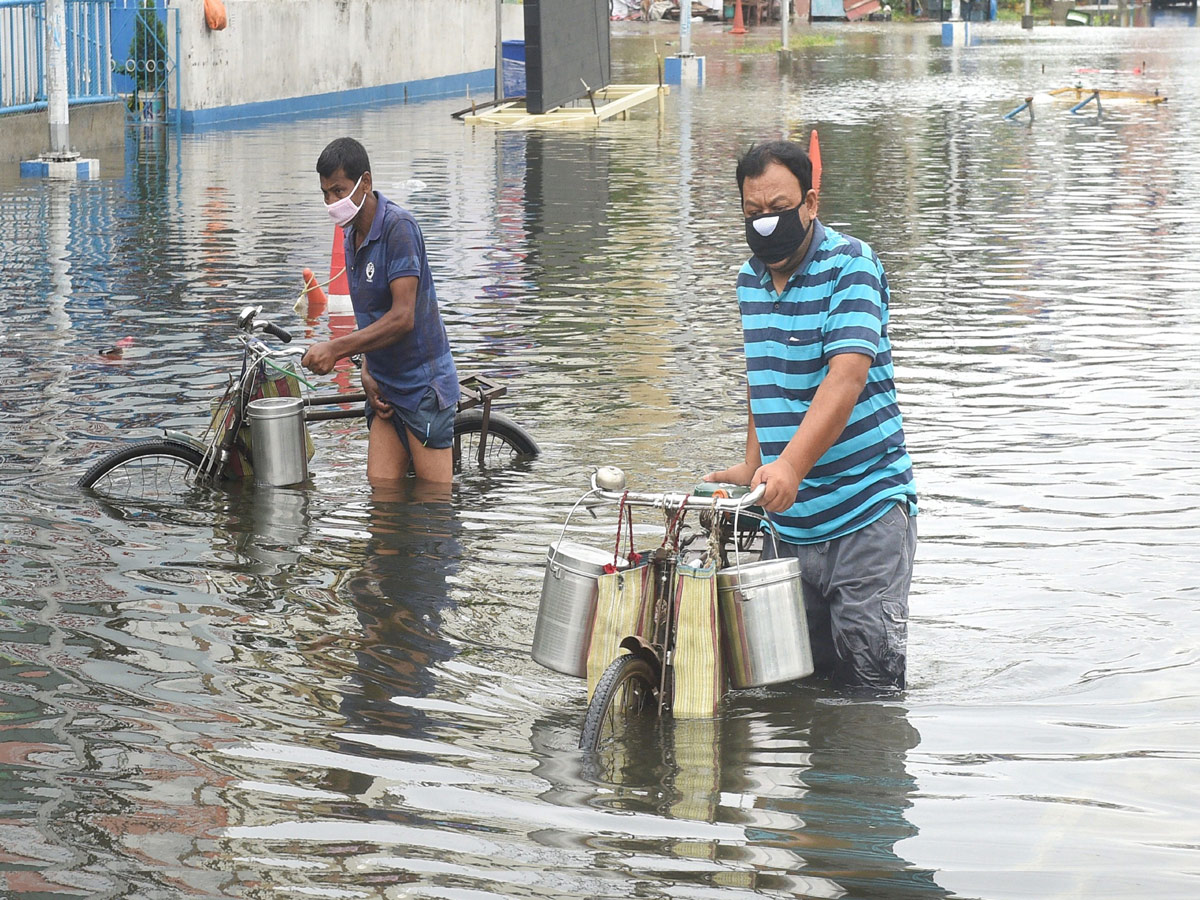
x=554 y=547
x=737 y=553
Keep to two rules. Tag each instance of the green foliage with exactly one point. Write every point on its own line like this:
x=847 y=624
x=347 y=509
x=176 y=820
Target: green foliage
x=1016 y=8
x=799 y=42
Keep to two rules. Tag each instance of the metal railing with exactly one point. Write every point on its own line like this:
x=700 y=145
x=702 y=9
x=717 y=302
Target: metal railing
x=23 y=53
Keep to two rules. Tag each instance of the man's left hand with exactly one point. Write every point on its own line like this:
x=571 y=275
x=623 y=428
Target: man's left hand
x=782 y=484
x=320 y=358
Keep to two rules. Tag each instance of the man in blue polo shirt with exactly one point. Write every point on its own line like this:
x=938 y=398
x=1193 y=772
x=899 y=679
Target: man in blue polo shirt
x=825 y=433
x=408 y=373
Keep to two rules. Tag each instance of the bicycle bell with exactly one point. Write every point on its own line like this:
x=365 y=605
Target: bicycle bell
x=609 y=478
x=246 y=316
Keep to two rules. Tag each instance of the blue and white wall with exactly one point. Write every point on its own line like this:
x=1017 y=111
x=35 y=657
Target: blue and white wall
x=280 y=57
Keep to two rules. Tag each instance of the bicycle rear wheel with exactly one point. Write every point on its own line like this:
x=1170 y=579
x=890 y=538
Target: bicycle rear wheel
x=506 y=441
x=148 y=470
x=627 y=690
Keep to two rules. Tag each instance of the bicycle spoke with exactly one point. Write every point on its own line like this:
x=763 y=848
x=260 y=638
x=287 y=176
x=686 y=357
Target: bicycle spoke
x=496 y=454
x=148 y=478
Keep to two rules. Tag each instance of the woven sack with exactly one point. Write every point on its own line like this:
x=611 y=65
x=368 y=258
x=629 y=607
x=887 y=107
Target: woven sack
x=699 y=675
x=624 y=606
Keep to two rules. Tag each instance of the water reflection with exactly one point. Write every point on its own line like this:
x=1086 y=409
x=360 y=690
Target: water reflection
x=831 y=787
x=807 y=793
x=566 y=205
x=399 y=598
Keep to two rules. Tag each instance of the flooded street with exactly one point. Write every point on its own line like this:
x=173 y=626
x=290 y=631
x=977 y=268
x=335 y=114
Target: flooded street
x=325 y=692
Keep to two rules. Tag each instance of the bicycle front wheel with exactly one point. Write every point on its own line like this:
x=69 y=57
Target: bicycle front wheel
x=506 y=441
x=627 y=690
x=148 y=470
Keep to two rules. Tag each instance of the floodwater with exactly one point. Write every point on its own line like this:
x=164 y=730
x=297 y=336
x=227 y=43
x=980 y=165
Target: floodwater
x=325 y=692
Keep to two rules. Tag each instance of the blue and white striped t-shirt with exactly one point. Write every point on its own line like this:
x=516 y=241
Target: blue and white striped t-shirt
x=835 y=302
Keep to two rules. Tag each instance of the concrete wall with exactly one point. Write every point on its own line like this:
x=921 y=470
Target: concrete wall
x=284 y=56
x=94 y=127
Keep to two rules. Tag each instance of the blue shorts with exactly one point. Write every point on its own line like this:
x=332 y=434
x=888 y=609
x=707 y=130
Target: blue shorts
x=433 y=427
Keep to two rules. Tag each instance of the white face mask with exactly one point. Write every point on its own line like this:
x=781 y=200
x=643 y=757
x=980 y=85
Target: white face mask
x=343 y=211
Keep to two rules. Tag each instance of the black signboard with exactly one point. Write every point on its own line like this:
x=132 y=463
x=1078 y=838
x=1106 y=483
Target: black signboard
x=566 y=51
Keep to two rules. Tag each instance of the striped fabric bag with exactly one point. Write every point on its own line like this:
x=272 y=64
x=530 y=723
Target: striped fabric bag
x=624 y=606
x=699 y=675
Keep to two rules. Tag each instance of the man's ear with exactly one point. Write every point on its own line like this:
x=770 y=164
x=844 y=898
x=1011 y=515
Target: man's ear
x=367 y=181
x=813 y=201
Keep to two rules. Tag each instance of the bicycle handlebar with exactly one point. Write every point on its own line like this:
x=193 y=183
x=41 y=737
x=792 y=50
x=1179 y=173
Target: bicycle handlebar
x=671 y=500
x=248 y=323
x=282 y=334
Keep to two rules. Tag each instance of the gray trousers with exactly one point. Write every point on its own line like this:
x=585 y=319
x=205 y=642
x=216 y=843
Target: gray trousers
x=856 y=600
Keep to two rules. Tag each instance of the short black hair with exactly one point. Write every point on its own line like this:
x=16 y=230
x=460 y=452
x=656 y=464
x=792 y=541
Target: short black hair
x=346 y=154
x=787 y=153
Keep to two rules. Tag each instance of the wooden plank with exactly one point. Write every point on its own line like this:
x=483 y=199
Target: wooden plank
x=612 y=100
x=1080 y=92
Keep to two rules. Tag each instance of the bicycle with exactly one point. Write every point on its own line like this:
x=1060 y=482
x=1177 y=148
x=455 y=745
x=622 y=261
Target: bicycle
x=642 y=680
x=176 y=462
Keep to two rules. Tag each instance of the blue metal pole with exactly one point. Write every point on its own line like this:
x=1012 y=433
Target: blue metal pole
x=1016 y=111
x=1095 y=96
x=1027 y=105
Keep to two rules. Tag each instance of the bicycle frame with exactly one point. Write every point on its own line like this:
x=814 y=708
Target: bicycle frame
x=474 y=391
x=659 y=650
x=176 y=462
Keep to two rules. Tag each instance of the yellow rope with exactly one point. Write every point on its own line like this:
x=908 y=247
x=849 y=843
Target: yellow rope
x=304 y=291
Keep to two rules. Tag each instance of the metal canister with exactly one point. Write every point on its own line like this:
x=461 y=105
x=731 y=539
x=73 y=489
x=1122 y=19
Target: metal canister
x=568 y=606
x=277 y=436
x=763 y=626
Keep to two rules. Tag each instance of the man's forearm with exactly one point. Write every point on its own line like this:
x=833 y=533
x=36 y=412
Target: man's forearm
x=824 y=421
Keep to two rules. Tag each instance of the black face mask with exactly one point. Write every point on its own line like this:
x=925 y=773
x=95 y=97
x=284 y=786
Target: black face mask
x=784 y=234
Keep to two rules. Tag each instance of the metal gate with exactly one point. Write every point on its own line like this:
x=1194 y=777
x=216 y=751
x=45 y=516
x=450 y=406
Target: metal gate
x=145 y=34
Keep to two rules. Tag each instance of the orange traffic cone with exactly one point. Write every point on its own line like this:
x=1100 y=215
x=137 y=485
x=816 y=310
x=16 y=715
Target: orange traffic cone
x=814 y=154
x=339 y=285
x=739 y=26
x=312 y=300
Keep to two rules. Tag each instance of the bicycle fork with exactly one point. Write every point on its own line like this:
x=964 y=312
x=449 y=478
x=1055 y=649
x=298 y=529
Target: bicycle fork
x=664 y=625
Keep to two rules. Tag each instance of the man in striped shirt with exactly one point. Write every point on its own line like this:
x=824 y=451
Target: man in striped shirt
x=825 y=433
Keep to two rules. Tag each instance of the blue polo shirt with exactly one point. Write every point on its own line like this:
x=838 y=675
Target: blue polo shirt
x=421 y=359
x=835 y=302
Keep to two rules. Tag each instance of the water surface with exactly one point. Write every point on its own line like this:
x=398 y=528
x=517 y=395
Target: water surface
x=328 y=692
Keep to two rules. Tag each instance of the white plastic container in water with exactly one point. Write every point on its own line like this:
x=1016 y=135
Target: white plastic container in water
x=279 y=440
x=763 y=626
x=568 y=606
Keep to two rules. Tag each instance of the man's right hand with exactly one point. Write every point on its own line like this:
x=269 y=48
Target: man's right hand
x=320 y=358
x=382 y=408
